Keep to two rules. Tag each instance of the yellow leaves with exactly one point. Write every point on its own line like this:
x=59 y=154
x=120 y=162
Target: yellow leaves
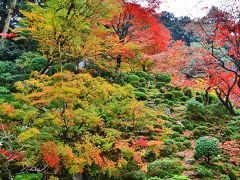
x=30 y=133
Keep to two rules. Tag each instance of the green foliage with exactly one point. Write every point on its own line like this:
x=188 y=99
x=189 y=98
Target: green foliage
x=187 y=144
x=4 y=90
x=188 y=92
x=200 y=131
x=160 y=85
x=142 y=74
x=132 y=78
x=70 y=67
x=178 y=128
x=38 y=63
x=207 y=147
x=27 y=176
x=144 y=90
x=169 y=148
x=141 y=96
x=199 y=98
x=157 y=101
x=169 y=96
x=165 y=168
x=195 y=110
x=204 y=172
x=143 y=84
x=178 y=94
x=160 y=77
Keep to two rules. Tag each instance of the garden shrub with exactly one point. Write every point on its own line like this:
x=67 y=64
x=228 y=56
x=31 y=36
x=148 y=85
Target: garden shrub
x=184 y=98
x=187 y=124
x=132 y=78
x=165 y=168
x=70 y=67
x=136 y=175
x=206 y=148
x=28 y=176
x=199 y=98
x=141 y=96
x=179 y=177
x=38 y=63
x=144 y=90
x=178 y=94
x=157 y=101
x=175 y=134
x=187 y=144
x=195 y=110
x=160 y=77
x=213 y=98
x=188 y=92
x=4 y=90
x=143 y=84
x=204 y=172
x=169 y=148
x=160 y=85
x=169 y=96
x=201 y=131
x=142 y=74
x=178 y=128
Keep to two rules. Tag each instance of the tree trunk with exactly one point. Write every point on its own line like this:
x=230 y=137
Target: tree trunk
x=9 y=16
x=119 y=60
x=144 y=68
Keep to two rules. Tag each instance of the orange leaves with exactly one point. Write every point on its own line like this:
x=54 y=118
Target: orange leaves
x=232 y=148
x=6 y=109
x=50 y=154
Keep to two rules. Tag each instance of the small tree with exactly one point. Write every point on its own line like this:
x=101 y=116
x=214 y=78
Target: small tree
x=207 y=147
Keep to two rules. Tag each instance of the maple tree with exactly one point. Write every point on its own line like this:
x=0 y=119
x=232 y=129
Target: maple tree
x=139 y=26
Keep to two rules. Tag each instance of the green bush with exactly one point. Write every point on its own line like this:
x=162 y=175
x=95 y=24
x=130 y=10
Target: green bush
x=200 y=131
x=132 y=78
x=175 y=134
x=28 y=176
x=178 y=94
x=143 y=84
x=141 y=96
x=169 y=87
x=187 y=144
x=160 y=85
x=157 y=101
x=195 y=110
x=38 y=63
x=213 y=98
x=178 y=128
x=204 y=172
x=144 y=90
x=160 y=77
x=188 y=124
x=136 y=175
x=184 y=98
x=165 y=168
x=144 y=75
x=169 y=148
x=199 y=99
x=188 y=92
x=207 y=147
x=179 y=177
x=4 y=90
x=70 y=67
x=169 y=96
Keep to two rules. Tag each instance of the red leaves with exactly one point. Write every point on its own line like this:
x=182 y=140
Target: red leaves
x=10 y=156
x=142 y=142
x=232 y=148
x=50 y=154
x=8 y=36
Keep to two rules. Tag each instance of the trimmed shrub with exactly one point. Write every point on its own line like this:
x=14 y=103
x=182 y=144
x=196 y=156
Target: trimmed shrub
x=160 y=85
x=187 y=144
x=4 y=90
x=169 y=148
x=165 y=168
x=144 y=90
x=188 y=92
x=143 y=74
x=201 y=131
x=163 y=77
x=132 y=78
x=206 y=148
x=38 y=63
x=169 y=96
x=136 y=175
x=204 y=172
x=143 y=84
x=141 y=96
x=169 y=87
x=175 y=134
x=157 y=101
x=178 y=94
x=195 y=110
x=199 y=99
x=184 y=98
x=178 y=128
x=70 y=67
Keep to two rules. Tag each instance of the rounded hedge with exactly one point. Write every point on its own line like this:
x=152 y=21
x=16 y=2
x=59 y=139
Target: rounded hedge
x=206 y=148
x=160 y=77
x=188 y=92
x=140 y=96
x=70 y=67
x=38 y=63
x=169 y=96
x=160 y=85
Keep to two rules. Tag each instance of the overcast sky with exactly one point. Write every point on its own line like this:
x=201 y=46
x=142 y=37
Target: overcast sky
x=191 y=8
